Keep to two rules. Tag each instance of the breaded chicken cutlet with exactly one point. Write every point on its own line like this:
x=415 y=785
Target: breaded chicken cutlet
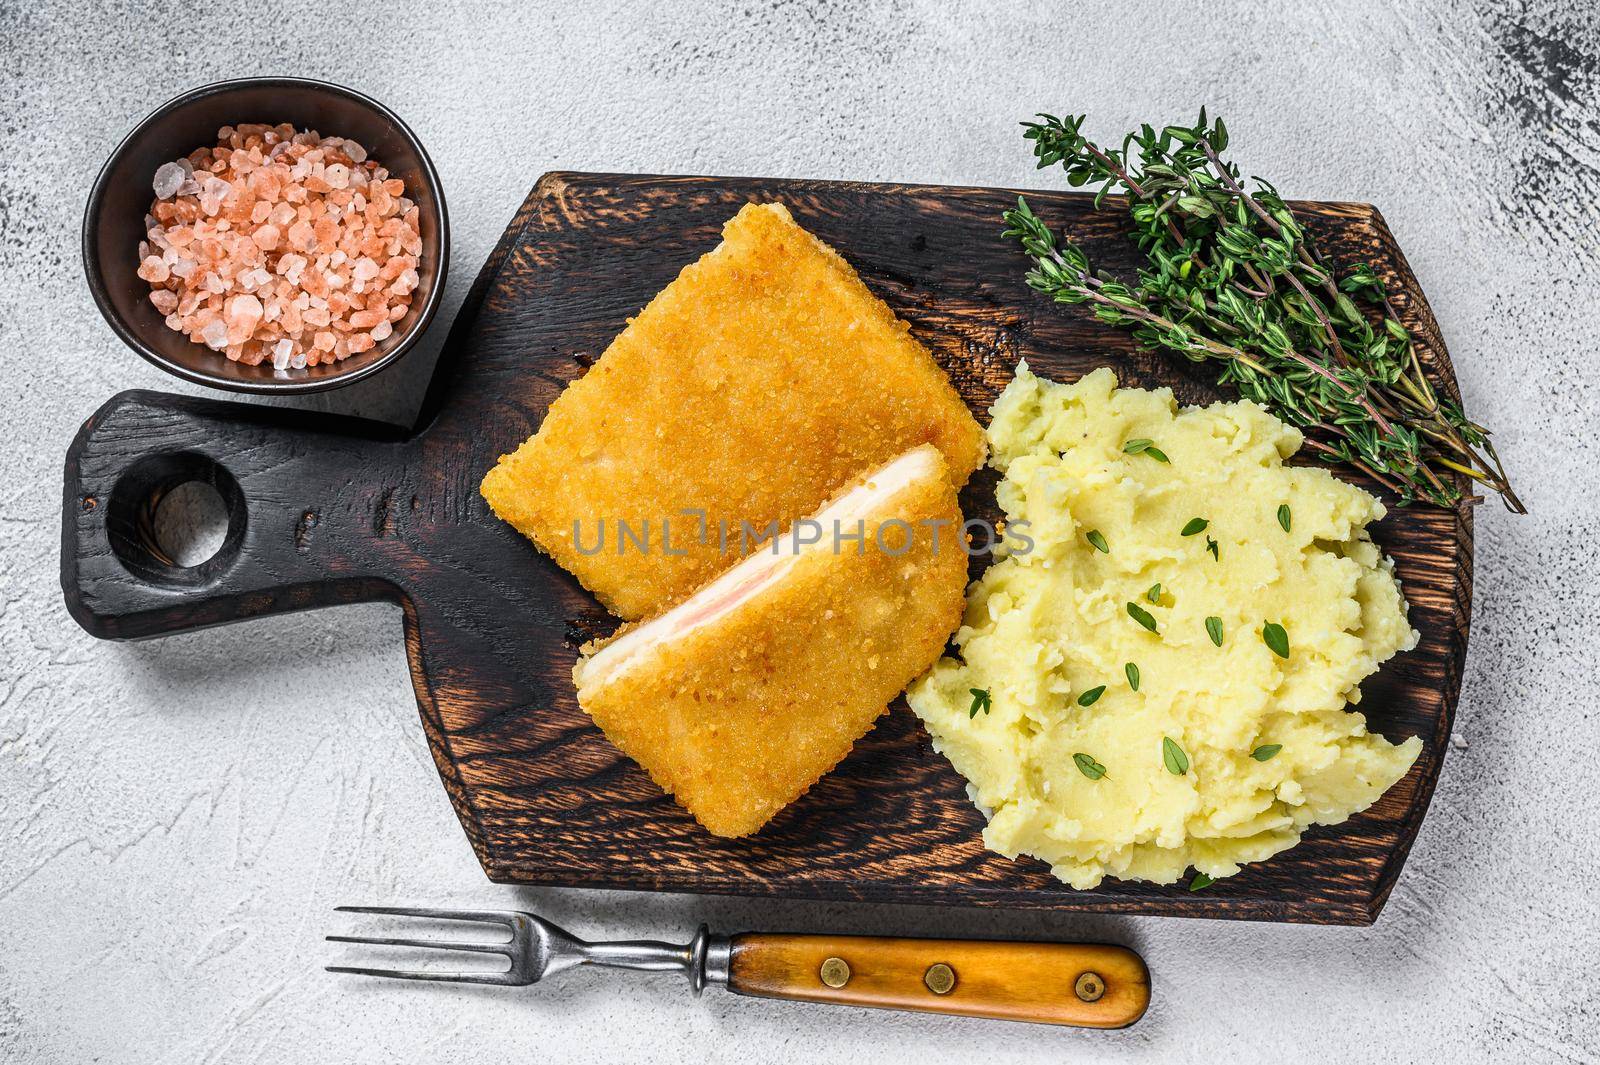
x=738 y=699
x=749 y=390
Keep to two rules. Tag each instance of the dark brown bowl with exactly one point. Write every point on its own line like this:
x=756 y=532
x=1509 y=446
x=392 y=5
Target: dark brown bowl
x=113 y=223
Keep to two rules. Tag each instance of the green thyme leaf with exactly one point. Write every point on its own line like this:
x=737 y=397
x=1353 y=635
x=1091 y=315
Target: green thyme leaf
x=1200 y=882
x=1088 y=766
x=1095 y=538
x=1092 y=696
x=980 y=701
x=1265 y=752
x=1133 y=675
x=1274 y=636
x=1211 y=545
x=1141 y=446
x=1154 y=594
x=1176 y=761
x=1195 y=525
x=1214 y=630
x=1283 y=516
x=1142 y=616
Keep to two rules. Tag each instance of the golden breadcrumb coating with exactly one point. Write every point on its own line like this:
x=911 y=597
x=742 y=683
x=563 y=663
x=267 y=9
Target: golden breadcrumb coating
x=751 y=388
x=737 y=717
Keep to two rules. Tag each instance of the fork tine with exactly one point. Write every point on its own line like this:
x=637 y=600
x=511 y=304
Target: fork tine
x=503 y=949
x=405 y=974
x=500 y=917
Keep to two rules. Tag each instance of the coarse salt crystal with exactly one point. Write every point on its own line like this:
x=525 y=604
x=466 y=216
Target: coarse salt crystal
x=169 y=177
x=215 y=334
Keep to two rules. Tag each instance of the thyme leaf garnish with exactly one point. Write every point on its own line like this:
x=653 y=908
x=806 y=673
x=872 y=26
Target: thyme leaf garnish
x=1274 y=636
x=1088 y=766
x=1141 y=446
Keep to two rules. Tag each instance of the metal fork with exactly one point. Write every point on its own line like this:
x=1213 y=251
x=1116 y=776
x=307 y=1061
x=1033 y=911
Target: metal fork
x=1085 y=985
x=538 y=948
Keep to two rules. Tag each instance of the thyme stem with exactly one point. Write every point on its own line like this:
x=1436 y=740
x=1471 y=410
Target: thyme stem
x=1230 y=275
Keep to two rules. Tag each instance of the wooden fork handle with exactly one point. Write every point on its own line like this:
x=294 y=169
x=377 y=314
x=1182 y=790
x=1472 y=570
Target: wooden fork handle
x=1083 y=985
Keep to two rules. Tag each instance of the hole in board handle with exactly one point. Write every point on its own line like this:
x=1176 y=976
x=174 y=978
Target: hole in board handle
x=153 y=501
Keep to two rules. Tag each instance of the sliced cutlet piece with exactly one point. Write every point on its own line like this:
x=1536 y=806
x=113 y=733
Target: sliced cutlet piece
x=738 y=699
x=751 y=389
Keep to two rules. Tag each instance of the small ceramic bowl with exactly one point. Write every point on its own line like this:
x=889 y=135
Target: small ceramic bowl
x=113 y=223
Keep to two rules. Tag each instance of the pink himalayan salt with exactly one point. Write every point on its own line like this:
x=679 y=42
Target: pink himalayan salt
x=281 y=245
x=267 y=237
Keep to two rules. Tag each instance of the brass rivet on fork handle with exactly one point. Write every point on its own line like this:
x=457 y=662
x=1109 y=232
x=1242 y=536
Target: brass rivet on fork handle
x=835 y=972
x=940 y=978
x=1089 y=987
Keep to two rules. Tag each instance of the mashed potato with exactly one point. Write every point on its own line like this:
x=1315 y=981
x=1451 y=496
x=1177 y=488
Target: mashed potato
x=1110 y=749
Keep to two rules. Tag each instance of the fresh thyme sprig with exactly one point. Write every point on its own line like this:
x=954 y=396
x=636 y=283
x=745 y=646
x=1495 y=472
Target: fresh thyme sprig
x=1233 y=277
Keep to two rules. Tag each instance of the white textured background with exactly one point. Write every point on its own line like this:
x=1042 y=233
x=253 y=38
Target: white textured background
x=178 y=818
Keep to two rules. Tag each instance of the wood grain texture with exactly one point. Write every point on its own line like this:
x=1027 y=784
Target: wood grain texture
x=1001 y=980
x=327 y=511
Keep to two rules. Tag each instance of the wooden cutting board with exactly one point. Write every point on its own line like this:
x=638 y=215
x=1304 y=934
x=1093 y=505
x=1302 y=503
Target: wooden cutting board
x=326 y=511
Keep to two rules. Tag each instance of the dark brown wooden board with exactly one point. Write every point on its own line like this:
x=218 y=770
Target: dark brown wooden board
x=326 y=511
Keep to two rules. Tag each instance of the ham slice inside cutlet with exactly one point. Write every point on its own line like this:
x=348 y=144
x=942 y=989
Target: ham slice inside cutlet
x=742 y=696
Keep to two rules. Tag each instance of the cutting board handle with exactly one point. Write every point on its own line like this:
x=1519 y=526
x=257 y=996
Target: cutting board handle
x=300 y=513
